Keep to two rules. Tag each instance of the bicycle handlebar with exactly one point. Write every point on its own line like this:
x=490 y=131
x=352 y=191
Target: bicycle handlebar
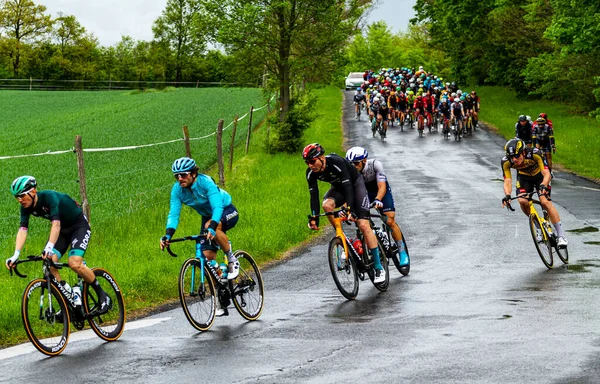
x=185 y=238
x=528 y=196
x=31 y=258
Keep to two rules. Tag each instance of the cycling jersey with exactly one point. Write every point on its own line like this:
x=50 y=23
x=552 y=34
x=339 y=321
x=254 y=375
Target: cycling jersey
x=444 y=110
x=543 y=136
x=533 y=163
x=203 y=196
x=74 y=228
x=346 y=182
x=523 y=132
x=359 y=97
x=52 y=205
x=457 y=109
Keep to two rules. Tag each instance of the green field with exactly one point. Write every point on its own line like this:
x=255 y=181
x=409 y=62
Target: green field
x=576 y=135
x=129 y=190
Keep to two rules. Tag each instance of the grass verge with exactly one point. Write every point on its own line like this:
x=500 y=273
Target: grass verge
x=577 y=136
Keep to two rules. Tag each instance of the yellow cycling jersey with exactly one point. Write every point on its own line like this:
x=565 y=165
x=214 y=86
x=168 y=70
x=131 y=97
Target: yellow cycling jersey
x=531 y=166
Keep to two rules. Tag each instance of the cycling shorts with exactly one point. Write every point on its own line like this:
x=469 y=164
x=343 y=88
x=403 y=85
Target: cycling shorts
x=545 y=145
x=388 y=199
x=77 y=237
x=360 y=198
x=527 y=184
x=229 y=219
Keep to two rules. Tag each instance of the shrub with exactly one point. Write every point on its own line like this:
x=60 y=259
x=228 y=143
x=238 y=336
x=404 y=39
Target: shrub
x=288 y=134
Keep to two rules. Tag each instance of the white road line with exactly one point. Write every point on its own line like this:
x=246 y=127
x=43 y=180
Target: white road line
x=23 y=349
x=591 y=189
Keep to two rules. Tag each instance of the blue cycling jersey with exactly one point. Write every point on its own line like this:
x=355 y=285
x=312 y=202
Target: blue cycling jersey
x=203 y=196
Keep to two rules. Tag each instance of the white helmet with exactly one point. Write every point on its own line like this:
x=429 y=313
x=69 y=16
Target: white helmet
x=459 y=92
x=355 y=154
x=376 y=99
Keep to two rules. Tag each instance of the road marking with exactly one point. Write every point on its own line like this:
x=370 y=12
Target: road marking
x=516 y=230
x=591 y=189
x=23 y=349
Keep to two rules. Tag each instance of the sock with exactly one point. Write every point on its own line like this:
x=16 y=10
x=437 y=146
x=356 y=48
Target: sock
x=376 y=259
x=559 y=230
x=230 y=257
x=400 y=244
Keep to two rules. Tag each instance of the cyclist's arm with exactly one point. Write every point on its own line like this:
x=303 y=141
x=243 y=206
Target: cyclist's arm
x=54 y=231
x=215 y=200
x=507 y=175
x=551 y=135
x=53 y=204
x=543 y=168
x=381 y=179
x=313 y=189
x=174 y=211
x=21 y=237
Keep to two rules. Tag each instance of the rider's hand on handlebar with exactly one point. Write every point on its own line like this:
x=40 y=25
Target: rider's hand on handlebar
x=164 y=242
x=377 y=204
x=543 y=190
x=312 y=223
x=10 y=262
x=506 y=200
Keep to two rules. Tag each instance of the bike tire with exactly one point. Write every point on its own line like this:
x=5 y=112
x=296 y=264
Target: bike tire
x=343 y=270
x=543 y=247
x=563 y=254
x=247 y=289
x=47 y=335
x=199 y=301
x=108 y=326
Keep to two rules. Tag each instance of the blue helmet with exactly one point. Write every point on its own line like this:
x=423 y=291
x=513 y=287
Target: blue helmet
x=355 y=154
x=184 y=164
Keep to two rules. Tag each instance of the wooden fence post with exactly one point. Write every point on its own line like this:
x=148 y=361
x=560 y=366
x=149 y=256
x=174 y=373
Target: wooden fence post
x=232 y=142
x=249 y=130
x=220 y=152
x=186 y=141
x=85 y=206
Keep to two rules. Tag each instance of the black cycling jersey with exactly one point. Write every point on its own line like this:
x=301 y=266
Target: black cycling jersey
x=340 y=173
x=53 y=205
x=523 y=132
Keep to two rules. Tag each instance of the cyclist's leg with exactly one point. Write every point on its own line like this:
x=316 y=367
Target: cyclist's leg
x=361 y=211
x=79 y=240
x=524 y=185
x=332 y=199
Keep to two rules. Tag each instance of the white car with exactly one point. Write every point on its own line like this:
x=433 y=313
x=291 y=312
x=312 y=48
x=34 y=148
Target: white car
x=354 y=80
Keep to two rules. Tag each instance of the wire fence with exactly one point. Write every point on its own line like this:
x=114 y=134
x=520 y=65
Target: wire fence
x=138 y=198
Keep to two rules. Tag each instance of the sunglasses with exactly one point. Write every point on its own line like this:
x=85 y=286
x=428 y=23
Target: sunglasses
x=311 y=161
x=514 y=156
x=182 y=175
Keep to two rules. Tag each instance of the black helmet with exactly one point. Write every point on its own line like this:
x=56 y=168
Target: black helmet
x=522 y=118
x=312 y=150
x=514 y=147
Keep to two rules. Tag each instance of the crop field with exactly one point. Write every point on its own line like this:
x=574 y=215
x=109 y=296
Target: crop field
x=128 y=190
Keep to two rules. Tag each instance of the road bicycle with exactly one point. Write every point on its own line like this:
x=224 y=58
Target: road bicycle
x=48 y=308
x=384 y=236
x=378 y=128
x=457 y=128
x=401 y=118
x=201 y=285
x=421 y=124
x=469 y=125
x=350 y=259
x=358 y=107
x=544 y=238
x=429 y=120
x=446 y=128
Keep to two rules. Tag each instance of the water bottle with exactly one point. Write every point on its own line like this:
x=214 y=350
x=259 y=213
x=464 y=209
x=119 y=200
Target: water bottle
x=223 y=268
x=357 y=244
x=215 y=265
x=77 y=295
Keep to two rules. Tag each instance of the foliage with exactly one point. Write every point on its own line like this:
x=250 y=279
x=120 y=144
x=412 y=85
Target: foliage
x=289 y=133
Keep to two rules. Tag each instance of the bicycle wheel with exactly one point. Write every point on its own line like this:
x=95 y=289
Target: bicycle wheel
x=108 y=326
x=47 y=331
x=543 y=244
x=247 y=290
x=563 y=254
x=383 y=286
x=343 y=269
x=197 y=294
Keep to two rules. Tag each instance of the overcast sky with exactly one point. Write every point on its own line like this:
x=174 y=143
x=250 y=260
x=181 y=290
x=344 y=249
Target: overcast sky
x=108 y=20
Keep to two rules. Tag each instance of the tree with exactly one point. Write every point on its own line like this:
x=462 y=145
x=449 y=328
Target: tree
x=289 y=38
x=181 y=27
x=23 y=21
x=67 y=31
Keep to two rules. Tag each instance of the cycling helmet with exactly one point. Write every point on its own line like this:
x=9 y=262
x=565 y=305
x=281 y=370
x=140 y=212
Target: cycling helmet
x=355 y=154
x=522 y=118
x=358 y=89
x=454 y=83
x=540 y=120
x=543 y=116
x=183 y=164
x=312 y=150
x=459 y=92
x=22 y=185
x=514 y=147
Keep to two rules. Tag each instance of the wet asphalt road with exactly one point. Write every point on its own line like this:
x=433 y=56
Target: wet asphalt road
x=478 y=305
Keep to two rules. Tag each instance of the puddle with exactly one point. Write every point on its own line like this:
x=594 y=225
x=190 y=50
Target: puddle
x=584 y=230
x=592 y=242
x=583 y=266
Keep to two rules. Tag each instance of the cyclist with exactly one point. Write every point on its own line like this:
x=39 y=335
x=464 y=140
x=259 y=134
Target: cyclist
x=457 y=114
x=379 y=192
x=543 y=139
x=200 y=192
x=359 y=100
x=69 y=227
x=347 y=187
x=532 y=173
x=444 y=109
x=548 y=121
x=524 y=130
